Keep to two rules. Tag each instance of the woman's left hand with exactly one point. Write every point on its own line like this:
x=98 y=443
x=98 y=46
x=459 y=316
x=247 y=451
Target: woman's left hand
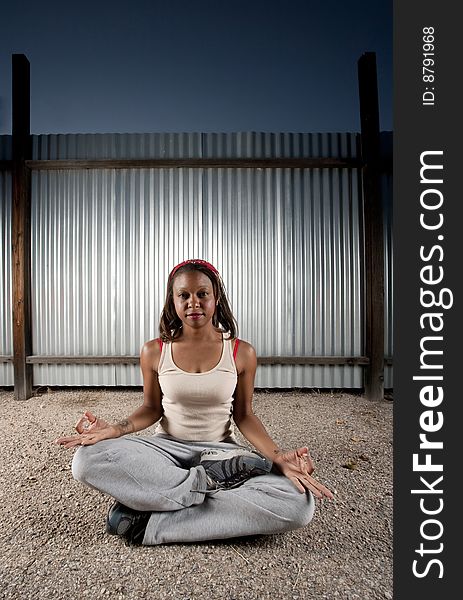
x=298 y=467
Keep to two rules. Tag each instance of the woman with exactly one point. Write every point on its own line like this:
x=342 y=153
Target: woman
x=191 y=481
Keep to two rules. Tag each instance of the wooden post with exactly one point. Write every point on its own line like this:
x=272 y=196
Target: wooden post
x=21 y=228
x=373 y=227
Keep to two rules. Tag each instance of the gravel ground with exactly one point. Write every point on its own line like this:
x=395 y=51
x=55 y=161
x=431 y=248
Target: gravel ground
x=53 y=543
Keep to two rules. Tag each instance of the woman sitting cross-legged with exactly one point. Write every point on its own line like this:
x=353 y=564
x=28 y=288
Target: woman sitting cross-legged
x=191 y=481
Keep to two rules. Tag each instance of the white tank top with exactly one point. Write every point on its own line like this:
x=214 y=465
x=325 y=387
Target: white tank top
x=197 y=406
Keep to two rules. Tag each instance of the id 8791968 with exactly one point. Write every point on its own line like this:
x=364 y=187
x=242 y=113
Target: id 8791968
x=428 y=67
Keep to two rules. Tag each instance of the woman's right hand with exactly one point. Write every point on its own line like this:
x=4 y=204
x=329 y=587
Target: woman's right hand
x=88 y=422
x=90 y=430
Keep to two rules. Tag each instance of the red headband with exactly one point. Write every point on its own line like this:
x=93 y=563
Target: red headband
x=194 y=261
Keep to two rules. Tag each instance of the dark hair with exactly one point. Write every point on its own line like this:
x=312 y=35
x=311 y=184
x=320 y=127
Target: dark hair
x=170 y=325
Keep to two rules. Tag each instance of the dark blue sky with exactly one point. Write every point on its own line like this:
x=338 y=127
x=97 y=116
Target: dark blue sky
x=195 y=65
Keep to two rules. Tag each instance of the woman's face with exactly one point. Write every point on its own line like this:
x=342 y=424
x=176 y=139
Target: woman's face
x=194 y=299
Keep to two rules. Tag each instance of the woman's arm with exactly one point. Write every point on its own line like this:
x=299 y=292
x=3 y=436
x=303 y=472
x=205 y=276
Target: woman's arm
x=294 y=464
x=151 y=409
x=247 y=422
x=144 y=416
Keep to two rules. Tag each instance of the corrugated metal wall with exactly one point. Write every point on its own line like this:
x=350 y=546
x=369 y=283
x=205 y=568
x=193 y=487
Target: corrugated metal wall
x=194 y=145
x=287 y=242
x=6 y=325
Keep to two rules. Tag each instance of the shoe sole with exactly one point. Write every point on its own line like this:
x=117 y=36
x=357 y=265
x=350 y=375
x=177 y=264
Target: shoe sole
x=123 y=523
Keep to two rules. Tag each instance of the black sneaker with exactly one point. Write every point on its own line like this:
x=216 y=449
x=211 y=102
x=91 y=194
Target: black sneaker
x=126 y=522
x=226 y=469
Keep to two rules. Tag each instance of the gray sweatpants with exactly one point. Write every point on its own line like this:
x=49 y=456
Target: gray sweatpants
x=158 y=474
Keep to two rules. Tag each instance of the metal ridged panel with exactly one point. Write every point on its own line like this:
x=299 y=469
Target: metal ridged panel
x=289 y=257
x=280 y=145
x=282 y=239
x=102 y=245
x=6 y=324
x=286 y=242
x=116 y=145
x=194 y=145
x=162 y=212
x=73 y=276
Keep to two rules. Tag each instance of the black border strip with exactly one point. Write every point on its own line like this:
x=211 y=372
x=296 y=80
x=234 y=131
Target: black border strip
x=426 y=123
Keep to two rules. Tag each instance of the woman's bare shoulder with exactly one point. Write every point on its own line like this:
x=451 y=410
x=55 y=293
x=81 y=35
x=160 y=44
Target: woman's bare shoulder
x=152 y=345
x=245 y=357
x=151 y=353
x=243 y=346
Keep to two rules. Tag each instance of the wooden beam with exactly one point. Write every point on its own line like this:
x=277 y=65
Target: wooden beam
x=82 y=360
x=21 y=227
x=4 y=358
x=373 y=227
x=204 y=163
x=312 y=360
x=200 y=163
x=262 y=360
